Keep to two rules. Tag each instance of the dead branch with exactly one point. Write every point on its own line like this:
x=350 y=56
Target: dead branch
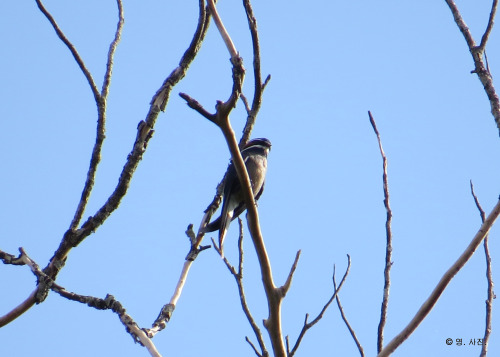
x=108 y=303
x=477 y=55
x=388 y=247
x=222 y=30
x=258 y=86
x=72 y=49
x=223 y=109
x=489 y=279
x=443 y=283
x=238 y=276
x=308 y=325
x=101 y=101
x=286 y=286
x=73 y=237
x=344 y=318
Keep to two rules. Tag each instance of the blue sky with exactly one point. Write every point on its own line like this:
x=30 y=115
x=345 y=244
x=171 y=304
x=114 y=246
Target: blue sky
x=330 y=62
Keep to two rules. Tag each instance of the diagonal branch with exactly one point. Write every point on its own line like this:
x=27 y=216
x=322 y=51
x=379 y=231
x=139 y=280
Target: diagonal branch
x=489 y=280
x=222 y=30
x=388 y=249
x=144 y=134
x=443 y=283
x=238 y=276
x=145 y=129
x=286 y=286
x=72 y=49
x=308 y=325
x=109 y=303
x=351 y=330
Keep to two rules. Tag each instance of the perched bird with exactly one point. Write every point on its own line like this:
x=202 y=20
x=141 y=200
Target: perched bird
x=254 y=154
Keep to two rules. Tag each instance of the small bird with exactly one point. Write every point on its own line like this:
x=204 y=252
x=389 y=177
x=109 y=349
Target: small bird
x=254 y=154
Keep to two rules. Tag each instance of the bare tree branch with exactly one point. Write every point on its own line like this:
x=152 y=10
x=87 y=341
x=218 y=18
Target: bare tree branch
x=109 y=303
x=388 y=249
x=489 y=280
x=308 y=325
x=351 y=330
x=72 y=49
x=442 y=284
x=101 y=122
x=253 y=347
x=477 y=55
x=238 y=276
x=284 y=289
x=223 y=109
x=259 y=87
x=194 y=104
x=112 y=49
x=73 y=237
x=489 y=27
x=223 y=32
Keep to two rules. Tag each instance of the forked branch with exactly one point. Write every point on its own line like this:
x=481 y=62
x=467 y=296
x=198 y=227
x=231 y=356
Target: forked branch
x=477 y=53
x=307 y=325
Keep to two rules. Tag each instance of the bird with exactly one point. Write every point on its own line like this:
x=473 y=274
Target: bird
x=254 y=154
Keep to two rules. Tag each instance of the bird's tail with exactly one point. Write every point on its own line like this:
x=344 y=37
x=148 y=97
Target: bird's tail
x=213 y=226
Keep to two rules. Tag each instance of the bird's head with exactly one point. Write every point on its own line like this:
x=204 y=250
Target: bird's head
x=259 y=144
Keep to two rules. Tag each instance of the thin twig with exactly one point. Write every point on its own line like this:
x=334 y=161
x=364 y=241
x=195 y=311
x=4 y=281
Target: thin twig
x=489 y=27
x=112 y=50
x=308 y=325
x=194 y=104
x=351 y=330
x=286 y=286
x=238 y=276
x=258 y=86
x=442 y=284
x=101 y=123
x=489 y=280
x=245 y=103
x=253 y=346
x=388 y=247
x=223 y=32
x=72 y=49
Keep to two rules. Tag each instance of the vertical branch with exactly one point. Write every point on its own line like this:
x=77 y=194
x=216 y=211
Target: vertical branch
x=489 y=279
x=388 y=249
x=489 y=27
x=112 y=50
x=273 y=293
x=258 y=86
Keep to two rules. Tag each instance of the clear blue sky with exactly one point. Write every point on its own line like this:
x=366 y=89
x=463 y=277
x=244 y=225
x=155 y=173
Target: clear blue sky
x=331 y=62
